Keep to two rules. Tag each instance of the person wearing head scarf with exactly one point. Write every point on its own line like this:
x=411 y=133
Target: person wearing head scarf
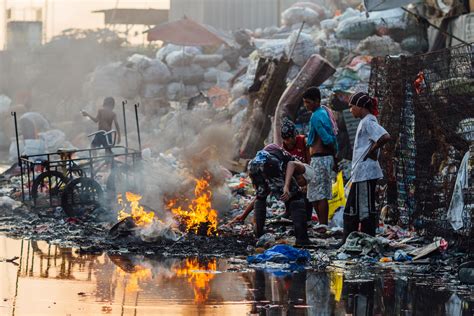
x=293 y=143
x=366 y=170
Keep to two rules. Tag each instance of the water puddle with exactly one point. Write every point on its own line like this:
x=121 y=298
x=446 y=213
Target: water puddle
x=49 y=280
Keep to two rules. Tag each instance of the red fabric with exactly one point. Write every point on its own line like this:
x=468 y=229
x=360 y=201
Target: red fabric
x=375 y=109
x=299 y=151
x=184 y=32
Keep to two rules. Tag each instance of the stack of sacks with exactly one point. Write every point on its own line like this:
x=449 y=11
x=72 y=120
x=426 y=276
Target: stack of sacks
x=192 y=70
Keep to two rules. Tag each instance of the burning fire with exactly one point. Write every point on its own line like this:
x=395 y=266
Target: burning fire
x=138 y=213
x=199 y=214
x=198 y=277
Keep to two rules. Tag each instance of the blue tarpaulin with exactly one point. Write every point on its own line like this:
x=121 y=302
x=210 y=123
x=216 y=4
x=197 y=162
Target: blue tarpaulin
x=281 y=254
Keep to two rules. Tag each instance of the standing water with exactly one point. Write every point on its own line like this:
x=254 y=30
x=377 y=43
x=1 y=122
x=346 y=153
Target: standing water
x=49 y=280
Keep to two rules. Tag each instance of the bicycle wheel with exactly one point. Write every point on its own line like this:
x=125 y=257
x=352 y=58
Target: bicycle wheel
x=46 y=184
x=81 y=196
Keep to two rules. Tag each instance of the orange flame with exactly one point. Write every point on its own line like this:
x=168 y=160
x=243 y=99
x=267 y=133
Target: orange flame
x=138 y=213
x=198 y=278
x=140 y=274
x=199 y=212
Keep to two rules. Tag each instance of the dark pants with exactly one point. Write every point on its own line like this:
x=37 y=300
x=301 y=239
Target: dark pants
x=297 y=209
x=102 y=140
x=360 y=208
x=309 y=210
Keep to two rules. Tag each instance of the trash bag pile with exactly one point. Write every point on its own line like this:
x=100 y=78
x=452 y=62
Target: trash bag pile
x=173 y=74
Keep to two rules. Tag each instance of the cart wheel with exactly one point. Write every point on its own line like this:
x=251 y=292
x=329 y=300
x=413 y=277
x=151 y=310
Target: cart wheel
x=81 y=196
x=40 y=189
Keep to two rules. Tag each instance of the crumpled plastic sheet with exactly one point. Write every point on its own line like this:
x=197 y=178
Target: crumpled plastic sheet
x=9 y=203
x=363 y=243
x=457 y=207
x=281 y=254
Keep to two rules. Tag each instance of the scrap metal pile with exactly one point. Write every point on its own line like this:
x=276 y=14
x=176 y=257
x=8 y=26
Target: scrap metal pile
x=431 y=95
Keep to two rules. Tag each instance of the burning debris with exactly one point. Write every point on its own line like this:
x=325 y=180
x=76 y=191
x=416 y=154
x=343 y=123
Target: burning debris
x=198 y=217
x=194 y=216
x=138 y=213
x=134 y=218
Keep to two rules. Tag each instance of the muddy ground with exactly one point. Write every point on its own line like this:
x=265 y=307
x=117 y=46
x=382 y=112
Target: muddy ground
x=93 y=236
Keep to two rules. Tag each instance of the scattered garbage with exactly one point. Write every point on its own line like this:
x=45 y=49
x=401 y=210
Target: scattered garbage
x=422 y=252
x=9 y=203
x=339 y=49
x=401 y=256
x=466 y=272
x=342 y=256
x=362 y=243
x=159 y=231
x=266 y=240
x=281 y=254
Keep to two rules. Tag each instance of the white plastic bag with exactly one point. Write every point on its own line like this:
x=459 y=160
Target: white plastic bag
x=207 y=61
x=271 y=48
x=34 y=147
x=218 y=76
x=178 y=59
x=378 y=46
x=356 y=28
x=157 y=72
x=139 y=61
x=114 y=79
x=305 y=47
x=53 y=139
x=169 y=48
x=295 y=15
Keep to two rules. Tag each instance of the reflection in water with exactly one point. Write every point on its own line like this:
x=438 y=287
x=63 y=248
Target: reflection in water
x=53 y=280
x=140 y=274
x=198 y=274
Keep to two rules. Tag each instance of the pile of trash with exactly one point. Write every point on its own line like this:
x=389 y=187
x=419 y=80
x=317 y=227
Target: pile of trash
x=175 y=73
x=348 y=41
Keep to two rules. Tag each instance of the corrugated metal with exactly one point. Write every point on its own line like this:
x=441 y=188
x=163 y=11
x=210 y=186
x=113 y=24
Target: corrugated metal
x=231 y=14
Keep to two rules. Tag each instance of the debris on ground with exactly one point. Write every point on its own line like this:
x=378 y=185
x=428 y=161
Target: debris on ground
x=281 y=254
